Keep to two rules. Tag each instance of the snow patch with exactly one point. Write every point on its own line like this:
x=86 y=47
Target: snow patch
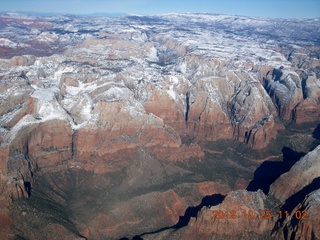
x=47 y=37
x=183 y=68
x=71 y=28
x=57 y=74
x=172 y=94
x=7 y=43
x=46 y=95
x=174 y=80
x=26 y=120
x=117 y=93
x=152 y=55
x=134 y=108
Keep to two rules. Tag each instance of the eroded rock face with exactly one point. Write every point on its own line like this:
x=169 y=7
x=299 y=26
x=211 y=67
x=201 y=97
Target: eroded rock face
x=298 y=191
x=45 y=146
x=243 y=210
x=303 y=221
x=241 y=214
x=289 y=211
x=15 y=92
x=307 y=111
x=302 y=174
x=292 y=95
x=120 y=131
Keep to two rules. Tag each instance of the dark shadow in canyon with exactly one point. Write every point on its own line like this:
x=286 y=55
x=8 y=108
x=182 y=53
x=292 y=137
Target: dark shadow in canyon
x=316 y=132
x=187 y=106
x=269 y=171
x=27 y=187
x=299 y=196
x=296 y=199
x=134 y=238
x=207 y=201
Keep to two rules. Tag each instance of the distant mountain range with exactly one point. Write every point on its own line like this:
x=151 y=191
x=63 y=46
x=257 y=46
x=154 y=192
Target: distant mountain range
x=50 y=14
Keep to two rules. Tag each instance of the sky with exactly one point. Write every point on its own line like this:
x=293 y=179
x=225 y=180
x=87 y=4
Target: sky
x=257 y=8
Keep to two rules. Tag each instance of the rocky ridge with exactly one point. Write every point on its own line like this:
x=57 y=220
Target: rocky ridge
x=278 y=215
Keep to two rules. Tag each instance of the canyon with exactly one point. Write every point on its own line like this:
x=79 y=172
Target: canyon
x=176 y=126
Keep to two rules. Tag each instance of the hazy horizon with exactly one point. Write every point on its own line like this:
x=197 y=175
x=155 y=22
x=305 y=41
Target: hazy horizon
x=265 y=9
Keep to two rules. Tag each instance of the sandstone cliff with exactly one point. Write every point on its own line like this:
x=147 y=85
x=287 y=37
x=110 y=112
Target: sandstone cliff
x=302 y=174
x=289 y=211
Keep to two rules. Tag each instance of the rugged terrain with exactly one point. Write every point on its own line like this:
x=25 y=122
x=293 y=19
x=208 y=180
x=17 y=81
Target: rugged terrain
x=144 y=127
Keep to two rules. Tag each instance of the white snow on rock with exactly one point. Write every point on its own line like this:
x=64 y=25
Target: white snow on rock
x=82 y=88
x=183 y=68
x=133 y=107
x=47 y=106
x=71 y=28
x=26 y=120
x=123 y=64
x=7 y=43
x=46 y=95
x=117 y=94
x=172 y=94
x=47 y=37
x=153 y=55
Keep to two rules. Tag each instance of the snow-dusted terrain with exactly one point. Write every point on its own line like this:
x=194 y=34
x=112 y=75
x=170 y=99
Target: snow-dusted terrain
x=113 y=59
x=141 y=97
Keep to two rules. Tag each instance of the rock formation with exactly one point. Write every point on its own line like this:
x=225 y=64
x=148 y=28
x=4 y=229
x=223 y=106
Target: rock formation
x=302 y=174
x=289 y=211
x=303 y=221
x=131 y=116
